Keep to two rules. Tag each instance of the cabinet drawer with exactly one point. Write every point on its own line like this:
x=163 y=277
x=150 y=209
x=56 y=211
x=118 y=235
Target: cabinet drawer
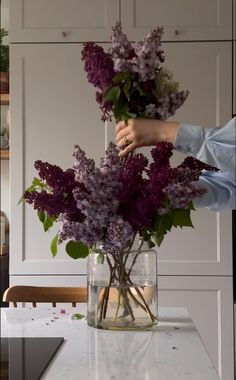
x=62 y=20
x=183 y=20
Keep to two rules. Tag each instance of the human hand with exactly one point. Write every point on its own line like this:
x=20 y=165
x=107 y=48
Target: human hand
x=143 y=132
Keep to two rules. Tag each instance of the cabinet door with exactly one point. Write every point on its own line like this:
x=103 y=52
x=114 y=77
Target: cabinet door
x=209 y=301
x=182 y=20
x=205 y=69
x=52 y=108
x=62 y=20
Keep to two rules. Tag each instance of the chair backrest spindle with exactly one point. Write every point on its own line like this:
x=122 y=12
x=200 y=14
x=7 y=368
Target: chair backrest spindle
x=45 y=294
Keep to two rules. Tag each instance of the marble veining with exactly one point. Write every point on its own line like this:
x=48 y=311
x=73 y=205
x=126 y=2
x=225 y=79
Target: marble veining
x=172 y=351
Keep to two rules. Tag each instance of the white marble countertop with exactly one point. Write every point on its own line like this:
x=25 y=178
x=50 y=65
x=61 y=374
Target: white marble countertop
x=172 y=351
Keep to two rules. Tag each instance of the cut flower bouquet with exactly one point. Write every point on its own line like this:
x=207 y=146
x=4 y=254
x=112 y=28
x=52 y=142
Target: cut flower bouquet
x=130 y=78
x=101 y=210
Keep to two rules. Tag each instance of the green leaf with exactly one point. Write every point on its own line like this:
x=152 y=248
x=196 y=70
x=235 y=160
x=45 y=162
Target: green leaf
x=163 y=223
x=20 y=200
x=54 y=245
x=77 y=249
x=41 y=216
x=141 y=91
x=119 y=77
x=126 y=88
x=111 y=94
x=191 y=206
x=37 y=182
x=159 y=239
x=100 y=258
x=181 y=218
x=48 y=222
x=150 y=243
x=130 y=115
x=78 y=316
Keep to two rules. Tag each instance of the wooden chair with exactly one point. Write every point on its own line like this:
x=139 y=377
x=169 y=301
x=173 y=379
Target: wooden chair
x=39 y=294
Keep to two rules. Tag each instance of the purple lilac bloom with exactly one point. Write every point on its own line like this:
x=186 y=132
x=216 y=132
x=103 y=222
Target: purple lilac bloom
x=182 y=188
x=141 y=196
x=99 y=203
x=180 y=194
x=195 y=164
x=119 y=233
x=161 y=155
x=121 y=50
x=134 y=204
x=98 y=65
x=148 y=55
x=166 y=105
x=55 y=177
x=54 y=204
x=57 y=197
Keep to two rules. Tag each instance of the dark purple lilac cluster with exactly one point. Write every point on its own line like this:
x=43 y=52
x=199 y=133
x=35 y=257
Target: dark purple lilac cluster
x=149 y=190
x=98 y=65
x=55 y=196
x=100 y=71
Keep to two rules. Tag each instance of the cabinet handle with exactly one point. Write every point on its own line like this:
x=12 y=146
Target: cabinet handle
x=177 y=32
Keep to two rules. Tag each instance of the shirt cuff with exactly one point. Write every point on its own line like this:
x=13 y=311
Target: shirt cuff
x=189 y=139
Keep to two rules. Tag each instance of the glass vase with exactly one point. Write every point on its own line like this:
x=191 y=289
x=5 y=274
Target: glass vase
x=122 y=290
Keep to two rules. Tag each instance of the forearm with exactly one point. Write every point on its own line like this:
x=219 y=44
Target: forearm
x=166 y=131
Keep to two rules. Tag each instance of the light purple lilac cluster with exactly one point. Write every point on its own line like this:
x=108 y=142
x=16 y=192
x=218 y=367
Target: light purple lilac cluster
x=102 y=225
x=166 y=106
x=143 y=58
x=148 y=56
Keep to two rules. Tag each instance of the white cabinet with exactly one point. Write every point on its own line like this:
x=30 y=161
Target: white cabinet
x=62 y=20
x=52 y=109
x=182 y=20
x=76 y=21
x=209 y=301
x=205 y=69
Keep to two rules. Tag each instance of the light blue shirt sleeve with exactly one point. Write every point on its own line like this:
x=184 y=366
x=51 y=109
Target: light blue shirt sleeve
x=216 y=147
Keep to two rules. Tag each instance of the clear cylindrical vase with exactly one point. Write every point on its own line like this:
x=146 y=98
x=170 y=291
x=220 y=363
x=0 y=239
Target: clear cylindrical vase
x=122 y=290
